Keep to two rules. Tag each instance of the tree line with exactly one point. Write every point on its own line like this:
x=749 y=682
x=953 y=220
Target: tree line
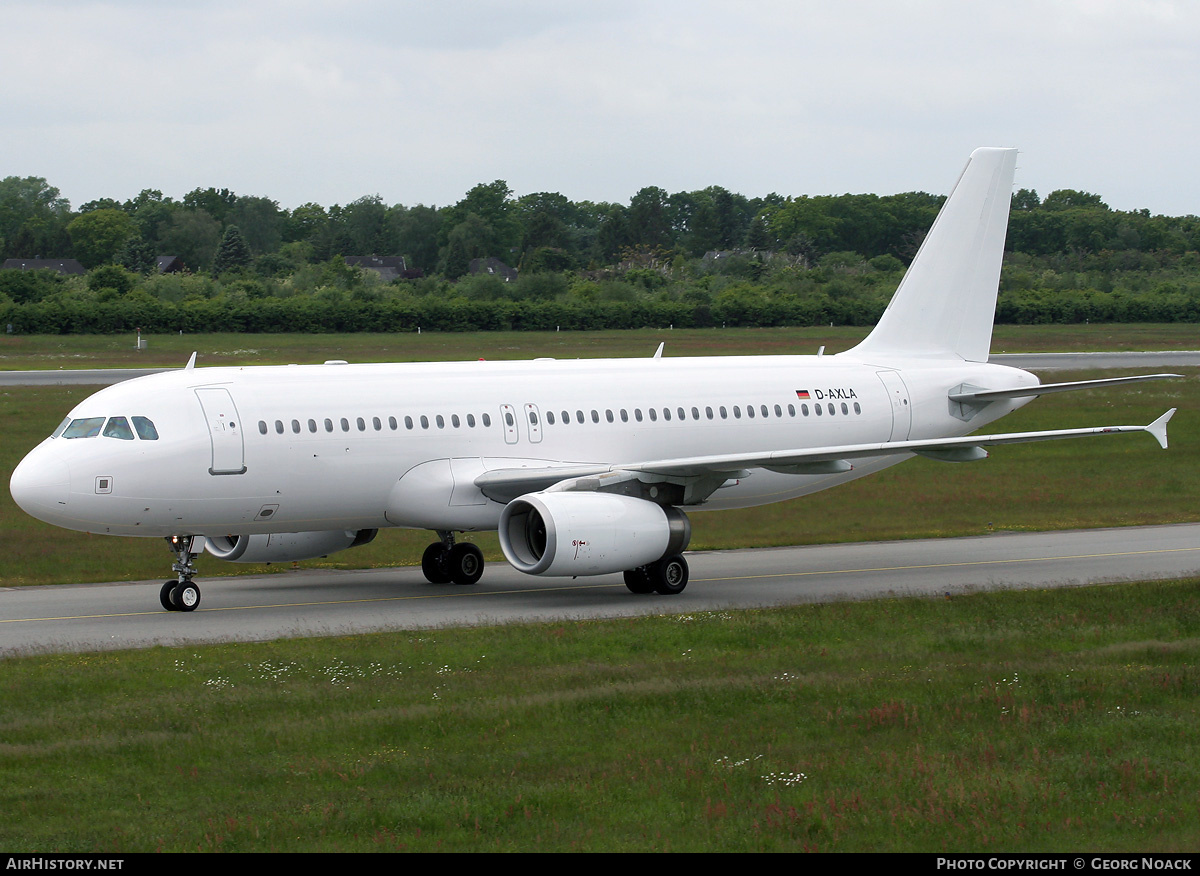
x=706 y=257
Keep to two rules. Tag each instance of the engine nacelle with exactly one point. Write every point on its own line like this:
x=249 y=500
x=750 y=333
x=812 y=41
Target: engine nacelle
x=285 y=547
x=586 y=533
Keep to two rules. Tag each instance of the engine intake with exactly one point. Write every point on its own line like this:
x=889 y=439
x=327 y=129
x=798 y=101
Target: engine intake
x=587 y=533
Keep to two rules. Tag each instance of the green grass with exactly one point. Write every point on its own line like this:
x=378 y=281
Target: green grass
x=1031 y=721
x=19 y=353
x=1110 y=481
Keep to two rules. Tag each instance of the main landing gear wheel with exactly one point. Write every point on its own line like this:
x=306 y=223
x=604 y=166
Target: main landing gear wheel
x=444 y=562
x=638 y=581
x=465 y=564
x=434 y=564
x=668 y=576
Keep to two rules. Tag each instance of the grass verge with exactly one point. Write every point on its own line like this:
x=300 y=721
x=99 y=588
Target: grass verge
x=1031 y=721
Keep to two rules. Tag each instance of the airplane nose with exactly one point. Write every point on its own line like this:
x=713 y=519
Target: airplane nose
x=40 y=486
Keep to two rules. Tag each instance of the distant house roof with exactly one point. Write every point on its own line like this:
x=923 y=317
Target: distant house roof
x=169 y=264
x=492 y=266
x=59 y=266
x=387 y=267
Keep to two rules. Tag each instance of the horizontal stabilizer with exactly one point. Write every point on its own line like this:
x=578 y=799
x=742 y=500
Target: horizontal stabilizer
x=989 y=395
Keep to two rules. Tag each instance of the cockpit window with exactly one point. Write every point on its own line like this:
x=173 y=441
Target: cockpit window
x=145 y=429
x=118 y=427
x=61 y=426
x=87 y=427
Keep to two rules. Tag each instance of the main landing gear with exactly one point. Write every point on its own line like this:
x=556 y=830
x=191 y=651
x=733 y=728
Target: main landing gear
x=668 y=576
x=444 y=561
x=182 y=594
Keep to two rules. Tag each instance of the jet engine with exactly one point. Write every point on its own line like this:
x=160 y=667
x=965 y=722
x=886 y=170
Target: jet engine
x=285 y=547
x=587 y=533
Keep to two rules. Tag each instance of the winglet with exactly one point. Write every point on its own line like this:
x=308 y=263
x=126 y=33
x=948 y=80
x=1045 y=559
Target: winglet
x=1159 y=428
x=658 y=352
x=191 y=362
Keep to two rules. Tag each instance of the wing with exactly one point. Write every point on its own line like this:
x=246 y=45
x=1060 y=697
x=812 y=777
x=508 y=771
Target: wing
x=692 y=479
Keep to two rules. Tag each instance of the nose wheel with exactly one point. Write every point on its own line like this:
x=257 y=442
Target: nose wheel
x=182 y=594
x=179 y=597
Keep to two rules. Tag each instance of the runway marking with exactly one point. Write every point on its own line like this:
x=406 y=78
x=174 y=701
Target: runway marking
x=997 y=562
x=576 y=587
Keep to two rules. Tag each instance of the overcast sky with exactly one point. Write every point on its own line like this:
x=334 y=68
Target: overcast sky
x=417 y=102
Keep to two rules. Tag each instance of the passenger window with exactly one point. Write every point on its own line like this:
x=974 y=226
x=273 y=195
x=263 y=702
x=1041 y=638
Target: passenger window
x=424 y=422
x=312 y=425
x=550 y=417
x=845 y=410
x=392 y=424
x=566 y=417
x=118 y=427
x=608 y=415
x=695 y=413
x=279 y=426
x=362 y=424
x=508 y=420
x=595 y=416
x=408 y=423
x=832 y=410
x=345 y=425
x=624 y=416
x=857 y=409
x=791 y=410
x=487 y=420
x=328 y=425
x=579 y=416
x=88 y=427
x=637 y=414
x=377 y=423
x=441 y=421
x=724 y=413
x=763 y=410
x=653 y=415
x=667 y=414
x=708 y=412
x=471 y=420
x=455 y=421
x=750 y=411
x=262 y=426
x=737 y=412
x=818 y=410
x=296 y=426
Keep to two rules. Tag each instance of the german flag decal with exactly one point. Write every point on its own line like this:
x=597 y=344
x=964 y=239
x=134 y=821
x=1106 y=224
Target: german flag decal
x=802 y=394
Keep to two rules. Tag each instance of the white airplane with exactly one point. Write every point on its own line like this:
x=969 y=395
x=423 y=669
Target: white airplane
x=584 y=467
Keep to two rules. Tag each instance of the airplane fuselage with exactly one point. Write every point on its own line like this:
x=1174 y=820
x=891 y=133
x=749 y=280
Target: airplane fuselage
x=349 y=447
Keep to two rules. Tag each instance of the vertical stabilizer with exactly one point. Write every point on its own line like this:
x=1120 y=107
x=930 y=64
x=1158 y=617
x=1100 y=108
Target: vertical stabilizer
x=946 y=302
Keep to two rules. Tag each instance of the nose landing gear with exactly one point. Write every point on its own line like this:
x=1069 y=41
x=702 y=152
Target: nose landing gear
x=182 y=594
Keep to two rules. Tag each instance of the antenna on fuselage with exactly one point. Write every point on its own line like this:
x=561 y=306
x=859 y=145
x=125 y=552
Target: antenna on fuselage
x=191 y=362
